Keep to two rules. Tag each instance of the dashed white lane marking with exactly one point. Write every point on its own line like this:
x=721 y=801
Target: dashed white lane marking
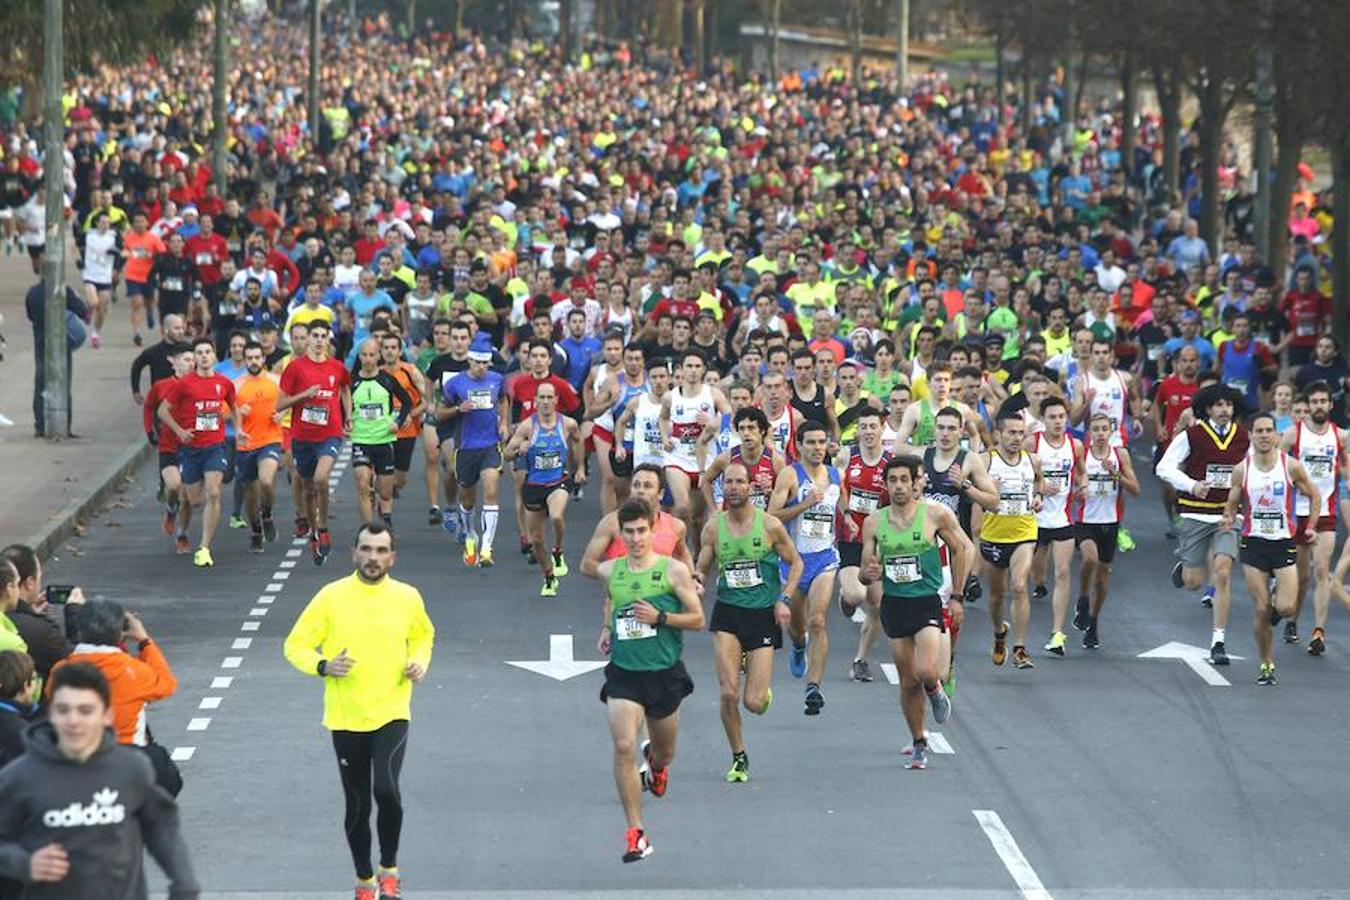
x=241 y=643
x=258 y=611
x=210 y=703
x=199 y=724
x=182 y=754
x=274 y=588
x=250 y=626
x=293 y=552
x=266 y=598
x=281 y=576
x=939 y=744
x=891 y=674
x=222 y=682
x=1028 y=882
x=232 y=662
x=286 y=564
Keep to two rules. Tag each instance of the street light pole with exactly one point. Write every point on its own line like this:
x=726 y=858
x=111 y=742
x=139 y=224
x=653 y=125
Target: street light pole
x=314 y=38
x=1262 y=150
x=55 y=356
x=219 y=74
x=902 y=47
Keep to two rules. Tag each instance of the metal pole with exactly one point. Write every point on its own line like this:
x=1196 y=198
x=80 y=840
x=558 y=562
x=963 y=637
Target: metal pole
x=351 y=16
x=55 y=355
x=902 y=47
x=314 y=39
x=219 y=74
x=1263 y=152
x=1069 y=86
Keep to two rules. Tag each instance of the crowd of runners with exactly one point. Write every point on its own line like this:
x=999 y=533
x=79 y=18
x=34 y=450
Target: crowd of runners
x=811 y=344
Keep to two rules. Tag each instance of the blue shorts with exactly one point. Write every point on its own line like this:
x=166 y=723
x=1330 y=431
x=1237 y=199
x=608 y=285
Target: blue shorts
x=307 y=453
x=246 y=461
x=813 y=565
x=195 y=462
x=139 y=289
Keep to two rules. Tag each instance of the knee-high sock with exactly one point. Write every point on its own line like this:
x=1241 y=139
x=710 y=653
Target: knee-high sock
x=490 y=513
x=466 y=521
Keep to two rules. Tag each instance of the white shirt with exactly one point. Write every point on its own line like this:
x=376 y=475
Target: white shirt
x=1110 y=279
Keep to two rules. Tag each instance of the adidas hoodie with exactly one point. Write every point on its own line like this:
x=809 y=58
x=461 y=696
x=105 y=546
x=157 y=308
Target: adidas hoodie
x=105 y=812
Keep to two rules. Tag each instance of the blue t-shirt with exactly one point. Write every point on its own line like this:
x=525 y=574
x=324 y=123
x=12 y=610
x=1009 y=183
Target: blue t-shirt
x=579 y=356
x=478 y=428
x=1202 y=346
x=363 y=306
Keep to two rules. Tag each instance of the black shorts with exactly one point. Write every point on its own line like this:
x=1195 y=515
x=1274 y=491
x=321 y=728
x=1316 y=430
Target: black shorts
x=903 y=617
x=470 y=464
x=754 y=628
x=1045 y=536
x=231 y=454
x=998 y=554
x=534 y=497
x=850 y=554
x=658 y=692
x=1267 y=555
x=1103 y=534
x=379 y=457
x=622 y=468
x=167 y=460
x=403 y=453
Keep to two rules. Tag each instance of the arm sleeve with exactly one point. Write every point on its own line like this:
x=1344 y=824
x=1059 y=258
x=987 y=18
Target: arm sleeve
x=158 y=817
x=421 y=635
x=154 y=679
x=1169 y=467
x=138 y=366
x=405 y=400
x=306 y=636
x=14 y=858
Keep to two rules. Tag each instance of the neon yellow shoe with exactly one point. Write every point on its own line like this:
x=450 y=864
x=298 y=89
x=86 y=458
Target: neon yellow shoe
x=470 y=552
x=202 y=558
x=739 y=773
x=559 y=564
x=1124 y=541
x=1056 y=643
x=485 y=558
x=768 y=700
x=550 y=587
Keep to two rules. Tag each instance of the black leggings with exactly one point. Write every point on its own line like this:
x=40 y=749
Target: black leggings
x=361 y=754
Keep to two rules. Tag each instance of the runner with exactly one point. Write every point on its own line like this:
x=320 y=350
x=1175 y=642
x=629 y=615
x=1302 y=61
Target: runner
x=597 y=427
x=409 y=378
x=813 y=401
x=916 y=422
x=806 y=498
x=1173 y=397
x=649 y=601
x=1264 y=484
x=475 y=402
x=380 y=408
x=668 y=533
x=642 y=417
x=551 y=446
x=321 y=387
x=166 y=442
x=897 y=409
x=783 y=419
x=1061 y=460
x=688 y=413
x=762 y=461
x=612 y=396
x=753 y=604
x=195 y=408
x=259 y=450
x=1199 y=463
x=369 y=638
x=1008 y=534
x=863 y=493
x=1104 y=472
x=450 y=341
x=900 y=551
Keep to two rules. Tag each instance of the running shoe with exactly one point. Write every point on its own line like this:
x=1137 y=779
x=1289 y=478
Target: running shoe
x=269 y=529
x=848 y=609
x=1266 y=677
x=918 y=756
x=550 y=587
x=1275 y=617
x=1000 y=654
x=527 y=551
x=1177 y=581
x=450 y=522
x=1218 y=656
x=797 y=659
x=301 y=527
x=485 y=559
x=1022 y=659
x=941 y=705
x=949 y=686
x=238 y=522
x=1090 y=639
x=657 y=779
x=815 y=700
x=434 y=515
x=1318 y=645
x=559 y=564
x=202 y=558
x=170 y=519
x=314 y=548
x=1207 y=597
x=861 y=671
x=181 y=545
x=1056 y=643
x=367 y=890
x=387 y=880
x=255 y=542
x=470 y=552
x=95 y=341
x=638 y=845
x=1124 y=540
x=768 y=700
x=1039 y=592
x=644 y=770
x=1081 y=615
x=1291 y=632
x=739 y=773
x=325 y=545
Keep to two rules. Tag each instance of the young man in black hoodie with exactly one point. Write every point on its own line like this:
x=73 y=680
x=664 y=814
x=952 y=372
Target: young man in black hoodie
x=77 y=810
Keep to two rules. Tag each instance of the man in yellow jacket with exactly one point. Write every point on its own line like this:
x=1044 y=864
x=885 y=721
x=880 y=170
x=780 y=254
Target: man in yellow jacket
x=368 y=637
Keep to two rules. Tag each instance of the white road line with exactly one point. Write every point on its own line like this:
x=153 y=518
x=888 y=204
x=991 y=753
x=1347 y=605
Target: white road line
x=938 y=743
x=232 y=662
x=300 y=541
x=222 y=682
x=182 y=754
x=241 y=643
x=275 y=588
x=199 y=724
x=286 y=564
x=266 y=598
x=1006 y=847
x=258 y=611
x=293 y=552
x=210 y=703
x=250 y=626
x=281 y=576
x=891 y=674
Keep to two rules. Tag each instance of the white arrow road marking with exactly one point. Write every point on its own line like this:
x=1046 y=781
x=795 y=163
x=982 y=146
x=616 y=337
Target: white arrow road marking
x=1011 y=855
x=560 y=665
x=1196 y=658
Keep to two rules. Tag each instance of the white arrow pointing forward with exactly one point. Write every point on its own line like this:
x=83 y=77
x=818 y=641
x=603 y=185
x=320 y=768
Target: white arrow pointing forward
x=560 y=665
x=1197 y=658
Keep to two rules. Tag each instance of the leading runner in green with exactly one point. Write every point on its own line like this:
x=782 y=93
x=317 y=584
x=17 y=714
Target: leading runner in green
x=375 y=424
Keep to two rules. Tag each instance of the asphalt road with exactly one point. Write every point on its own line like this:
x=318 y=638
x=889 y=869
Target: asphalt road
x=1100 y=774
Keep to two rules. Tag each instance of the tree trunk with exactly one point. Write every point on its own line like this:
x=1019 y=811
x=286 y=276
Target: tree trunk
x=776 y=21
x=1291 y=140
x=564 y=28
x=219 y=74
x=1129 y=87
x=1080 y=89
x=700 y=36
x=1026 y=91
x=855 y=42
x=1169 y=105
x=1213 y=114
x=902 y=48
x=711 y=45
x=1340 y=240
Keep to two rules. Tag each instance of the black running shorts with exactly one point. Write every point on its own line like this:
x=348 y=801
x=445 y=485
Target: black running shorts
x=754 y=628
x=903 y=617
x=658 y=692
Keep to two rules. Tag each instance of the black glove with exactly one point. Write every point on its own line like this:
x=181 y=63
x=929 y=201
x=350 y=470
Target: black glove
x=973 y=590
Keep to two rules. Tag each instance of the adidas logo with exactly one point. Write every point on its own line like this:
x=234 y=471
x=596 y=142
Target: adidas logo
x=105 y=810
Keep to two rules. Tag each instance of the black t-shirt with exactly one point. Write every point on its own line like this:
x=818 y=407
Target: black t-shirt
x=1268 y=325
x=175 y=276
x=1151 y=337
x=443 y=368
x=1334 y=375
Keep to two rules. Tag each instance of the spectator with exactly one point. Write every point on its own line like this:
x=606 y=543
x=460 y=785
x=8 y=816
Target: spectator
x=105 y=627
x=34 y=304
x=47 y=641
x=18 y=704
x=10 y=639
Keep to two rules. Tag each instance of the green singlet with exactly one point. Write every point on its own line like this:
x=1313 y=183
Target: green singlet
x=910 y=563
x=636 y=646
x=748 y=566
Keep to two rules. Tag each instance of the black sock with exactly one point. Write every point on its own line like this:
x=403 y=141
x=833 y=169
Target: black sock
x=267 y=512
x=921 y=742
x=740 y=757
x=812 y=684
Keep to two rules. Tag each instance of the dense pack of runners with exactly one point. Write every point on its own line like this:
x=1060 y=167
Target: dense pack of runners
x=809 y=343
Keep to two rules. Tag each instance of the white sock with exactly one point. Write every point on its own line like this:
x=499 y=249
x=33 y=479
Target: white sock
x=1218 y=636
x=489 y=525
x=466 y=522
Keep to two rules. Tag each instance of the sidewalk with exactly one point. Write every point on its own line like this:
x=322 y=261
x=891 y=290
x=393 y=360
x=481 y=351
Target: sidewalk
x=49 y=487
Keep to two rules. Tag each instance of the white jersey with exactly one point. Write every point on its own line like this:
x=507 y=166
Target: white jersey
x=1057 y=470
x=1109 y=396
x=1270 y=500
x=623 y=320
x=813 y=530
x=890 y=437
x=1321 y=456
x=100 y=256
x=1104 y=503
x=685 y=427
x=602 y=372
x=647 y=443
x=1016 y=484
x=782 y=431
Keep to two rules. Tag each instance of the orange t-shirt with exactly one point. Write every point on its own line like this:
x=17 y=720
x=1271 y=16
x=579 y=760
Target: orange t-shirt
x=260 y=394
x=141 y=250
x=403 y=374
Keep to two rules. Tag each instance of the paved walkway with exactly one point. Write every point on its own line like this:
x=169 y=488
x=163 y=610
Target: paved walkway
x=47 y=485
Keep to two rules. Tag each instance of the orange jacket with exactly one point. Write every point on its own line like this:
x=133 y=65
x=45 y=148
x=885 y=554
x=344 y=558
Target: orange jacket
x=135 y=681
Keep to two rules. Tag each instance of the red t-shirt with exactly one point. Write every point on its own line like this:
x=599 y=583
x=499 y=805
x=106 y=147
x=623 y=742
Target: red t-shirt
x=1305 y=313
x=524 y=386
x=167 y=440
x=201 y=405
x=319 y=417
x=207 y=253
x=1174 y=396
x=679 y=309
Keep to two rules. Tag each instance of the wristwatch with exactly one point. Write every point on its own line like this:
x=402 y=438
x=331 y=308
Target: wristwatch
x=661 y=618
x=322 y=668
x=785 y=600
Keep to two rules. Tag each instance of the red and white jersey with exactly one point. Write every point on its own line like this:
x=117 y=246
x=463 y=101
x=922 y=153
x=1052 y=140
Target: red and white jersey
x=1270 y=501
x=866 y=486
x=890 y=437
x=1321 y=456
x=762 y=475
x=1109 y=397
x=783 y=431
x=1057 y=470
x=687 y=417
x=1104 y=503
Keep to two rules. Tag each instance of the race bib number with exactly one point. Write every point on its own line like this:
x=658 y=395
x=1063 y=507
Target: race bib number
x=548 y=459
x=314 y=415
x=204 y=259
x=481 y=398
x=1155 y=352
x=816 y=524
x=759 y=501
x=172 y=284
x=1057 y=479
x=229 y=308
x=1238 y=384
x=861 y=501
x=743 y=573
x=1319 y=467
x=1267 y=524
x=902 y=569
x=1101 y=484
x=1305 y=329
x=628 y=628
x=1219 y=475
x=370 y=411
x=207 y=422
x=1013 y=503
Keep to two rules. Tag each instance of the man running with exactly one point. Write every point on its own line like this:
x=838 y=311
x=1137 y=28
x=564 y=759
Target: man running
x=806 y=497
x=176 y=511
x=551 y=445
x=1105 y=472
x=522 y=390
x=668 y=532
x=321 y=387
x=195 y=409
x=369 y=638
x=1263 y=484
x=409 y=378
x=450 y=341
x=381 y=408
x=259 y=450
x=753 y=604
x=917 y=422
x=476 y=401
x=649 y=601
x=1061 y=459
x=687 y=414
x=864 y=492
x=900 y=550
x=612 y=396
x=761 y=460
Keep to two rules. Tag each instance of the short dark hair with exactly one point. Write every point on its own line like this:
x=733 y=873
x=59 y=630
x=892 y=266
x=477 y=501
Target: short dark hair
x=540 y=343
x=9 y=575
x=24 y=558
x=1052 y=401
x=375 y=529
x=868 y=412
x=808 y=427
x=750 y=414
x=81 y=676
x=203 y=340
x=635 y=509
x=911 y=464
x=253 y=345
x=653 y=469
x=1317 y=387
x=16 y=671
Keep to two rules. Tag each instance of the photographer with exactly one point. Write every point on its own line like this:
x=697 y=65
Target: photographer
x=47 y=641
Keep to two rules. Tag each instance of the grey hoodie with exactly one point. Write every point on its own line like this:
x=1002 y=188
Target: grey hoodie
x=104 y=812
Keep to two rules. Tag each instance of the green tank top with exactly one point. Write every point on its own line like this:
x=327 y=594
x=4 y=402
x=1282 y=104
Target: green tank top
x=748 y=573
x=372 y=411
x=634 y=645
x=910 y=563
x=925 y=431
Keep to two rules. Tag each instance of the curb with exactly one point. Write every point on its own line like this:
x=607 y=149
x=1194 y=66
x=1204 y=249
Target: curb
x=62 y=525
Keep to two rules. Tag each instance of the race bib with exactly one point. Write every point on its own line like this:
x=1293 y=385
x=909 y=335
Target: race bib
x=1219 y=475
x=481 y=398
x=628 y=628
x=1305 y=329
x=1267 y=524
x=902 y=569
x=1319 y=467
x=370 y=411
x=1101 y=484
x=548 y=459
x=1238 y=384
x=229 y=307
x=207 y=422
x=743 y=573
x=171 y=284
x=1155 y=352
x=204 y=259
x=1012 y=503
x=759 y=501
x=314 y=415
x=1057 y=479
x=816 y=524
x=861 y=501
